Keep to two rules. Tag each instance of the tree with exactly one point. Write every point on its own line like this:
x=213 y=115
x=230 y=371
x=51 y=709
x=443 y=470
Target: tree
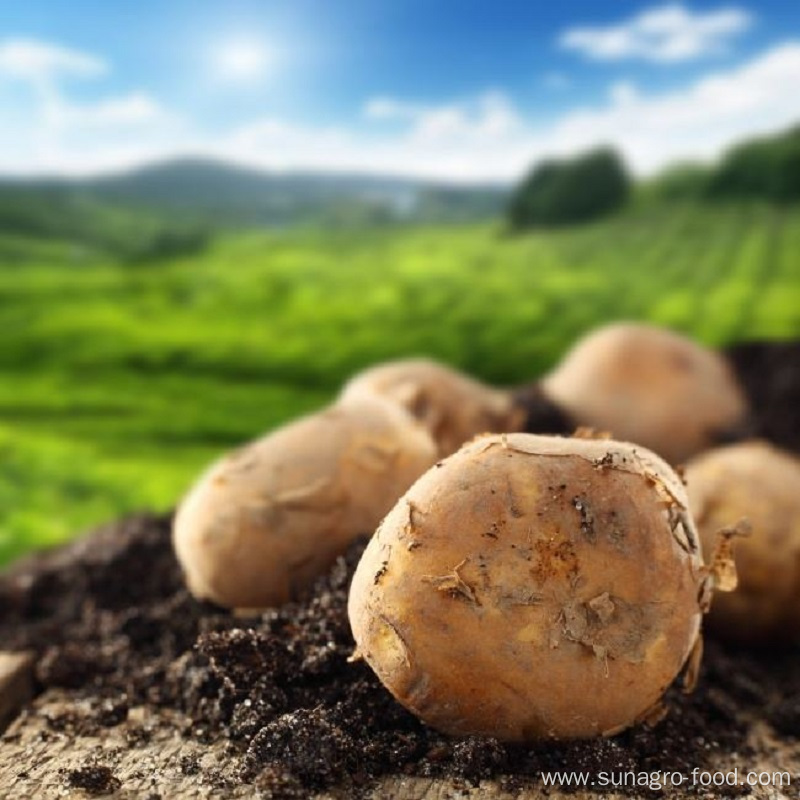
x=569 y=191
x=767 y=168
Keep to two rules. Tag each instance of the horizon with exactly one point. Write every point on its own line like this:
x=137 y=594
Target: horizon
x=229 y=162
x=466 y=96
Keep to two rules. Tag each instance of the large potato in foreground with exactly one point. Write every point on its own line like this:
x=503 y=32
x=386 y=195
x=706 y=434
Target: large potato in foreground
x=761 y=483
x=266 y=520
x=452 y=406
x=650 y=386
x=532 y=586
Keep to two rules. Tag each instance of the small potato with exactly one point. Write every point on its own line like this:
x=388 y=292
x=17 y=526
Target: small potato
x=452 y=406
x=533 y=586
x=650 y=386
x=761 y=483
x=269 y=518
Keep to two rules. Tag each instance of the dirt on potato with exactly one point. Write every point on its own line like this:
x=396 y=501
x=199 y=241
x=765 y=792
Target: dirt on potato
x=113 y=625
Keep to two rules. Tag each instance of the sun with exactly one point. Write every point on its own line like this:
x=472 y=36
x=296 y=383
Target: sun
x=244 y=60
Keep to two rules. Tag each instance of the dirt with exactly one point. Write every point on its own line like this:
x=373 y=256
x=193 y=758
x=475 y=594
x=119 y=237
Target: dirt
x=94 y=780
x=770 y=373
x=115 y=633
x=541 y=414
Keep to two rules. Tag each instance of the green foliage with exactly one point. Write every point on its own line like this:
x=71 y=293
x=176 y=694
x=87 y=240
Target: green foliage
x=767 y=168
x=562 y=192
x=59 y=213
x=764 y=169
x=685 y=181
x=119 y=384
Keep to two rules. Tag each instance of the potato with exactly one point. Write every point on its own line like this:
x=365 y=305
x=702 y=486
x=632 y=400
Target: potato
x=533 y=586
x=452 y=406
x=649 y=386
x=759 y=482
x=267 y=519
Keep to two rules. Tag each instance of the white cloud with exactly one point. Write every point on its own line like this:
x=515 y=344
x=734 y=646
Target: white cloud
x=288 y=143
x=137 y=108
x=623 y=93
x=486 y=137
x=489 y=139
x=41 y=65
x=390 y=108
x=60 y=130
x=489 y=115
x=696 y=122
x=665 y=34
x=35 y=61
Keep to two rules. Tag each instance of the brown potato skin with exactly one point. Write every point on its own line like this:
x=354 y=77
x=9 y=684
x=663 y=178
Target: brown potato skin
x=453 y=407
x=530 y=587
x=650 y=386
x=759 y=482
x=266 y=520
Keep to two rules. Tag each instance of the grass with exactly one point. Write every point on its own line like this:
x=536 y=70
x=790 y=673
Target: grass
x=120 y=381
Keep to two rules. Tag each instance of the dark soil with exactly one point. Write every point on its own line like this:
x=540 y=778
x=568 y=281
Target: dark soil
x=112 y=623
x=770 y=373
x=541 y=414
x=94 y=780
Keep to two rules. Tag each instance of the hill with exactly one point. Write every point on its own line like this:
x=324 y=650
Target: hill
x=167 y=207
x=221 y=194
x=65 y=215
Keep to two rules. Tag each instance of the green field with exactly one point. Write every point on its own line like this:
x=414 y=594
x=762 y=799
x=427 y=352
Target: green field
x=121 y=380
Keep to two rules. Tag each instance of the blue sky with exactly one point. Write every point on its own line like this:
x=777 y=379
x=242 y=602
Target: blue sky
x=459 y=90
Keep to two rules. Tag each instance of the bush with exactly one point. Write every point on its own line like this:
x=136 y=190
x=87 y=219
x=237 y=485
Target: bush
x=767 y=168
x=577 y=190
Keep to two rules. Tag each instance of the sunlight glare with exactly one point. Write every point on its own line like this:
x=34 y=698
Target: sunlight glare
x=244 y=60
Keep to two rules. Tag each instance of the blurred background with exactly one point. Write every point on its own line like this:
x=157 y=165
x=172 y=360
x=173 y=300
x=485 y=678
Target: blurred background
x=212 y=213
